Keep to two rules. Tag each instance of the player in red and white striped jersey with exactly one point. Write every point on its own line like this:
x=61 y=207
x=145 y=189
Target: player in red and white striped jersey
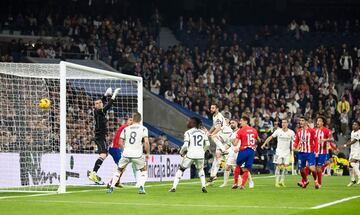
x=307 y=145
x=325 y=139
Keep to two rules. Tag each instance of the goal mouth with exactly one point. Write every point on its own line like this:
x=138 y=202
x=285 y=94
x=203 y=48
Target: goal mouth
x=44 y=149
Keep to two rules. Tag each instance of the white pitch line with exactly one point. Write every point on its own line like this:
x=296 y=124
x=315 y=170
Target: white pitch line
x=334 y=202
x=165 y=205
x=83 y=191
x=44 y=194
x=23 y=196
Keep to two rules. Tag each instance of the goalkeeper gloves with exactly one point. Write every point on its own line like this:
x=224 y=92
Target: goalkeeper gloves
x=108 y=92
x=116 y=93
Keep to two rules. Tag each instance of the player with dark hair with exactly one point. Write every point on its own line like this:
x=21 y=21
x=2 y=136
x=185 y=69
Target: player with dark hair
x=134 y=140
x=324 y=137
x=195 y=144
x=354 y=157
x=101 y=130
x=248 y=136
x=307 y=144
x=114 y=149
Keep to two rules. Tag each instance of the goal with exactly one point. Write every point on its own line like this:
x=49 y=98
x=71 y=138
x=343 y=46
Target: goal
x=45 y=150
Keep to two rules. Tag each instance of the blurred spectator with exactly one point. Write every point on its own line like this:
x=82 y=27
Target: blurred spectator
x=346 y=64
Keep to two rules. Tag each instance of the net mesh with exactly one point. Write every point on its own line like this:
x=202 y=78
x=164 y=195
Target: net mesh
x=30 y=136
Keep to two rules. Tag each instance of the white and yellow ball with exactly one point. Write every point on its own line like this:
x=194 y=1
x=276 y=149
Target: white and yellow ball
x=44 y=103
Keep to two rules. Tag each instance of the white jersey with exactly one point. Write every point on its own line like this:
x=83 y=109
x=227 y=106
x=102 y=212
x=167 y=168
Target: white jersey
x=195 y=143
x=133 y=135
x=355 y=148
x=284 y=140
x=218 y=119
x=225 y=134
x=232 y=156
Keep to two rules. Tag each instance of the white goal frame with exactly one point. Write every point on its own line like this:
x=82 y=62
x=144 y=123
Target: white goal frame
x=63 y=68
x=63 y=76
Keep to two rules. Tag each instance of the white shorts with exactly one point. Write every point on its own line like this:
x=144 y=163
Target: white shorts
x=231 y=158
x=139 y=163
x=281 y=159
x=186 y=163
x=355 y=156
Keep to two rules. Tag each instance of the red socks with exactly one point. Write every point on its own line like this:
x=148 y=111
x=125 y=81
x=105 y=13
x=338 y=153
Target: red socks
x=304 y=175
x=319 y=175
x=236 y=174
x=245 y=177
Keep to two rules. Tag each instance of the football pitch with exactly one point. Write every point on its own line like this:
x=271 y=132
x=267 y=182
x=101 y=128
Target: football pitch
x=333 y=198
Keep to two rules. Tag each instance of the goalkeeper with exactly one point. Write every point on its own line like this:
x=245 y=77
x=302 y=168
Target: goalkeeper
x=101 y=131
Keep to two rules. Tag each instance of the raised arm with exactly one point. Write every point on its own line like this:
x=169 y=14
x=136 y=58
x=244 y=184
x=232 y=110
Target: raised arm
x=111 y=101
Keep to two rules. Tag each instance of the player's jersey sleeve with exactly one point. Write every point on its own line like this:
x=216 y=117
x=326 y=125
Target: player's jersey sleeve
x=206 y=142
x=297 y=139
x=186 y=138
x=239 y=134
x=123 y=134
x=275 y=134
x=186 y=143
x=218 y=120
x=145 y=132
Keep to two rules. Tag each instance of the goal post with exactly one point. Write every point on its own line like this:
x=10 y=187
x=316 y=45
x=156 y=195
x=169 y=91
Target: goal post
x=44 y=150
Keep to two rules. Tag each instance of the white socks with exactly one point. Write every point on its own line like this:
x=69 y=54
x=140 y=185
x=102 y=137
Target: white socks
x=283 y=172
x=115 y=179
x=178 y=176
x=277 y=175
x=142 y=178
x=226 y=176
x=214 y=168
x=355 y=171
x=202 y=177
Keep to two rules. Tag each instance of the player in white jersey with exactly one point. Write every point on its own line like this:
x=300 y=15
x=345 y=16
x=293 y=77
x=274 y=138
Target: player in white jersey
x=285 y=137
x=354 y=157
x=230 y=163
x=220 y=134
x=193 y=152
x=131 y=140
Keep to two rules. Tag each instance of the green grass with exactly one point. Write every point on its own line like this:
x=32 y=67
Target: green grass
x=263 y=199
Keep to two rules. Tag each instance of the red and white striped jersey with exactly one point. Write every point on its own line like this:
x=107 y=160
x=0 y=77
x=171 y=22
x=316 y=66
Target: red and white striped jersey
x=323 y=133
x=306 y=139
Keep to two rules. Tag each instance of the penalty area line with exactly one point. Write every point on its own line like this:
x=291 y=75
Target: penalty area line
x=334 y=202
x=45 y=194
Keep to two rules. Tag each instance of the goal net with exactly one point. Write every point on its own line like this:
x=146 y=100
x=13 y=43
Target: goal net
x=43 y=150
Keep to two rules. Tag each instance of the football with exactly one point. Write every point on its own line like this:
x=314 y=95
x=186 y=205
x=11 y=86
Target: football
x=44 y=103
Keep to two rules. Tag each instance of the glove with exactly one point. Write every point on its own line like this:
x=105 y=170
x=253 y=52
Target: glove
x=116 y=92
x=108 y=92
